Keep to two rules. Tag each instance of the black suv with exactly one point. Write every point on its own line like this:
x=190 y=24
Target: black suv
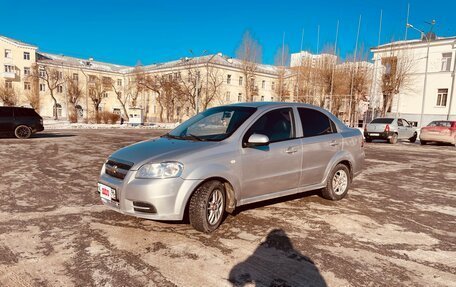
x=23 y=122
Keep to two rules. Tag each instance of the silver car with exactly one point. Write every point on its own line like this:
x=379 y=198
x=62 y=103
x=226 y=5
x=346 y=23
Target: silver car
x=230 y=156
x=390 y=129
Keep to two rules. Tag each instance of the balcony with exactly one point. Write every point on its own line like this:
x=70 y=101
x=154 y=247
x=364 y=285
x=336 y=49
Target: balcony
x=9 y=75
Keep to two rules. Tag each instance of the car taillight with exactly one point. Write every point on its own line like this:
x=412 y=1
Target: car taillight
x=387 y=128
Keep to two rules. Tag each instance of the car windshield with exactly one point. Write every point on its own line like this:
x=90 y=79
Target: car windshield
x=382 y=121
x=440 y=124
x=214 y=124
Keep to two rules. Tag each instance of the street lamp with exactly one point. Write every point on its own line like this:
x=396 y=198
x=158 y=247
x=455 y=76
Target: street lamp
x=428 y=40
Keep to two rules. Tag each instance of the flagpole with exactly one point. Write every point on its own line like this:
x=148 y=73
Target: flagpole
x=334 y=68
x=353 y=74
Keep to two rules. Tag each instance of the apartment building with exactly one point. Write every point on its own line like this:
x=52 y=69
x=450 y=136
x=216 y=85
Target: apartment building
x=428 y=92
x=21 y=60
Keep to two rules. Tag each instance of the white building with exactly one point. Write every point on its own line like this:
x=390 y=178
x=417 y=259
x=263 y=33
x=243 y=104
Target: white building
x=298 y=59
x=439 y=95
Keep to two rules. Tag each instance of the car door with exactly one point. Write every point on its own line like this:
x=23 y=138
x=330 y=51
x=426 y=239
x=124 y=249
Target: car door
x=410 y=130
x=277 y=166
x=320 y=143
x=6 y=119
x=401 y=129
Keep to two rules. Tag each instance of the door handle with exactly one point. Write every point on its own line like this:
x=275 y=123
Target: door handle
x=291 y=150
x=333 y=143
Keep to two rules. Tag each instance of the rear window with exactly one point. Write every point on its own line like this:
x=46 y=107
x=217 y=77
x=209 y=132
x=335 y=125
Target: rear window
x=25 y=113
x=382 y=121
x=440 y=124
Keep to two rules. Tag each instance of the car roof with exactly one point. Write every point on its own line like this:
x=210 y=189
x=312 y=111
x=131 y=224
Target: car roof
x=273 y=104
x=25 y=108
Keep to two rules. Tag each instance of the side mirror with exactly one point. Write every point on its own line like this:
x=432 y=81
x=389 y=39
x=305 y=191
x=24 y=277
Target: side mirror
x=257 y=140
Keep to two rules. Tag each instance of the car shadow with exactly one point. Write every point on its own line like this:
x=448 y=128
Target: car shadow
x=275 y=262
x=51 y=135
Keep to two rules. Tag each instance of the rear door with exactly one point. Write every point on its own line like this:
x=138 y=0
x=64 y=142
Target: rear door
x=6 y=119
x=320 y=143
x=401 y=129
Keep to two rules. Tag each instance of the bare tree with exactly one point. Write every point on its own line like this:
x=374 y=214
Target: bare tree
x=98 y=87
x=213 y=88
x=249 y=53
x=53 y=78
x=121 y=96
x=396 y=76
x=74 y=93
x=7 y=94
x=281 y=61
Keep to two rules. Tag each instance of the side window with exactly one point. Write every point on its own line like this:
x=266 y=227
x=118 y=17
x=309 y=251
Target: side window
x=407 y=124
x=276 y=124
x=399 y=123
x=6 y=112
x=315 y=123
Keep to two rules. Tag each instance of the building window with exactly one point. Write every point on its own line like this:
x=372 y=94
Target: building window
x=59 y=89
x=446 y=62
x=27 y=86
x=119 y=82
x=240 y=81
x=9 y=69
x=26 y=56
x=228 y=79
x=8 y=53
x=92 y=78
x=273 y=85
x=228 y=96
x=75 y=77
x=240 y=97
x=42 y=73
x=42 y=87
x=8 y=84
x=263 y=84
x=60 y=75
x=442 y=95
x=105 y=94
x=26 y=71
x=262 y=98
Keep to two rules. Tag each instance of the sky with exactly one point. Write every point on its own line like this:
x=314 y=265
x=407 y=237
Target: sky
x=147 y=32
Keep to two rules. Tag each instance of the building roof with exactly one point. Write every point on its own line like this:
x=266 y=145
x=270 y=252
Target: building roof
x=48 y=58
x=412 y=42
x=16 y=42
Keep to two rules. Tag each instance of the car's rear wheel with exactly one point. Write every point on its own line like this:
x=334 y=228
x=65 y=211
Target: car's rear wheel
x=422 y=142
x=207 y=206
x=22 y=132
x=393 y=139
x=338 y=183
x=413 y=139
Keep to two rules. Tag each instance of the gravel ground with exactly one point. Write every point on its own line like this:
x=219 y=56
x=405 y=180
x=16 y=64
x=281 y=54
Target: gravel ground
x=396 y=226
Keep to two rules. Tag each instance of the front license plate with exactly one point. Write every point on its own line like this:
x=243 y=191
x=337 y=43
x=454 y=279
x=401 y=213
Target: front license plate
x=106 y=192
x=374 y=134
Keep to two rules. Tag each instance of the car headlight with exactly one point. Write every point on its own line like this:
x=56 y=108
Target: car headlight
x=160 y=170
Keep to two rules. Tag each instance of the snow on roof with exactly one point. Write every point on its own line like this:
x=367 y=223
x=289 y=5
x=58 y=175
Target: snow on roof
x=16 y=42
x=413 y=41
x=82 y=63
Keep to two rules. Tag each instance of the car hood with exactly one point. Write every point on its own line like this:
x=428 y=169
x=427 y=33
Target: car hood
x=158 y=149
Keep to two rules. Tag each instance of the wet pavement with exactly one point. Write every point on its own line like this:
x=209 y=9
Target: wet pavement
x=395 y=227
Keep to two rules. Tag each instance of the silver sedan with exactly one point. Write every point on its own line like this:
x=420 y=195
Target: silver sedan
x=230 y=156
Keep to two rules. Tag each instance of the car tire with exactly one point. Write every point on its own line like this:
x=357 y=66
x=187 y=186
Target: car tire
x=368 y=140
x=207 y=206
x=413 y=139
x=22 y=132
x=393 y=139
x=338 y=183
x=422 y=142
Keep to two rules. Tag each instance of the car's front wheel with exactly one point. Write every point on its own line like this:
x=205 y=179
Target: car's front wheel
x=207 y=206
x=393 y=139
x=338 y=183
x=413 y=139
x=22 y=132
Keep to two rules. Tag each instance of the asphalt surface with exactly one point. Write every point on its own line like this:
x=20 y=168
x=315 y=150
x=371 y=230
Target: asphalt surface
x=395 y=227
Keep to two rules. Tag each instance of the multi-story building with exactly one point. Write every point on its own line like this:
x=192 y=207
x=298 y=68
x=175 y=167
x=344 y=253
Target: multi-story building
x=426 y=70
x=207 y=81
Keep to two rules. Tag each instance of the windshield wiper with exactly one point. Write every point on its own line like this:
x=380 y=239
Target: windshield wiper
x=168 y=135
x=195 y=137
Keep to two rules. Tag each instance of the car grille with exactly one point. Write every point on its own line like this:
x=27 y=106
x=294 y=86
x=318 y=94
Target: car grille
x=117 y=168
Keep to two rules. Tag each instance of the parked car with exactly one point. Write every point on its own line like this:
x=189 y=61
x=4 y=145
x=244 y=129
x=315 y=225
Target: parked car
x=390 y=129
x=230 y=156
x=22 y=122
x=439 y=131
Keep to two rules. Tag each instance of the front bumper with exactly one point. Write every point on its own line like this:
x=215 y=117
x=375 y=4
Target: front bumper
x=377 y=135
x=168 y=197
